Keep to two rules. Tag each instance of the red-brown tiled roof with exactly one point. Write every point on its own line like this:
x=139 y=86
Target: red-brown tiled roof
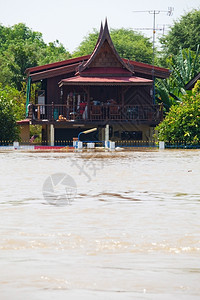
x=78 y=80
x=38 y=73
x=54 y=72
x=87 y=66
x=21 y=122
x=57 y=64
x=147 y=69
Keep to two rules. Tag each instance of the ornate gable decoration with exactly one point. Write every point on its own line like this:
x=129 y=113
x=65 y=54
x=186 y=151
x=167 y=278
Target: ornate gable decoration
x=105 y=57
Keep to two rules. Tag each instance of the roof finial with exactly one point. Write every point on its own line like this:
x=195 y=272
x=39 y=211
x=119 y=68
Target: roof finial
x=106 y=23
x=100 y=34
x=101 y=30
x=104 y=36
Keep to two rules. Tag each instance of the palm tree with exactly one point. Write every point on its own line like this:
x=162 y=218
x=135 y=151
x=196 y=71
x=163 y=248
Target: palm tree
x=184 y=67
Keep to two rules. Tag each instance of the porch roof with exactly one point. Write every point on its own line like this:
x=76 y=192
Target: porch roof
x=23 y=122
x=106 y=80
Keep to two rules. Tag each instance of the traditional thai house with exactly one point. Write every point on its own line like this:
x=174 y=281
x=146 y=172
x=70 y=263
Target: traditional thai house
x=94 y=91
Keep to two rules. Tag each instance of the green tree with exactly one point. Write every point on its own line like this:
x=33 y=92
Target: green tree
x=182 y=122
x=12 y=108
x=184 y=66
x=22 y=48
x=53 y=52
x=128 y=43
x=184 y=33
x=166 y=93
x=16 y=98
x=8 y=126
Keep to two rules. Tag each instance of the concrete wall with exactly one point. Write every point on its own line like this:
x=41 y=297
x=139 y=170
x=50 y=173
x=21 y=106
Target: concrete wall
x=116 y=131
x=24 y=133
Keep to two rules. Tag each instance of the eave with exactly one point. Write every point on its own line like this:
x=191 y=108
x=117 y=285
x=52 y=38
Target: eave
x=55 y=65
x=54 y=72
x=143 y=68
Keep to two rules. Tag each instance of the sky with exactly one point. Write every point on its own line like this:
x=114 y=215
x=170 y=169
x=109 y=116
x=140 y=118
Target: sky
x=69 y=21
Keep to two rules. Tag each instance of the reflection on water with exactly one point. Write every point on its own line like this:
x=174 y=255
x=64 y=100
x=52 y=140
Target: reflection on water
x=132 y=232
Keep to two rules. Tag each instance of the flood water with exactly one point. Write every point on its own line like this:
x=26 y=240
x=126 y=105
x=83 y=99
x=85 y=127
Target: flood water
x=131 y=230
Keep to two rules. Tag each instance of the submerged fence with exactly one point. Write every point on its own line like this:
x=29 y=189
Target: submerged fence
x=118 y=143
x=181 y=145
x=127 y=143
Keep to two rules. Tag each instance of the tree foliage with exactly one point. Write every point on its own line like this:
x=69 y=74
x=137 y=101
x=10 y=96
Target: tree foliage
x=184 y=66
x=12 y=106
x=128 y=43
x=182 y=122
x=22 y=48
x=16 y=98
x=184 y=33
x=8 y=126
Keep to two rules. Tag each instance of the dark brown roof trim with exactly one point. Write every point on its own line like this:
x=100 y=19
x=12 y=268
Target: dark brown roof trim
x=57 y=64
x=54 y=72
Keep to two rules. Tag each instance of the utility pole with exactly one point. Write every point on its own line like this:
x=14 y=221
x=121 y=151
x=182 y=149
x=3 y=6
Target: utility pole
x=154 y=13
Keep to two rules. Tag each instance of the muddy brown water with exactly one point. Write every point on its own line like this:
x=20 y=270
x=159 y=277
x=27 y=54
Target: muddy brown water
x=129 y=230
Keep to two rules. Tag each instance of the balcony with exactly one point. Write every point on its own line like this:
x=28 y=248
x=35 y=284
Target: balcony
x=151 y=114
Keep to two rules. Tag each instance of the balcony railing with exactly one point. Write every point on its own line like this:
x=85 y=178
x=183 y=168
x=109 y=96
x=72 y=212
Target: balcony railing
x=60 y=113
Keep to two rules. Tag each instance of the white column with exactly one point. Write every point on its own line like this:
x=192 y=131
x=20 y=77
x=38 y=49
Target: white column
x=112 y=145
x=107 y=136
x=15 y=145
x=107 y=133
x=80 y=145
x=161 y=145
x=51 y=135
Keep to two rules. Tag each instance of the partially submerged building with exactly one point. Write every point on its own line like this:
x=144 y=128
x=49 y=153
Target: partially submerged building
x=94 y=91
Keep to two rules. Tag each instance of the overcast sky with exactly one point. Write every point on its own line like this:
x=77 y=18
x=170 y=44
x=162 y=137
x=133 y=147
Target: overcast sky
x=70 y=20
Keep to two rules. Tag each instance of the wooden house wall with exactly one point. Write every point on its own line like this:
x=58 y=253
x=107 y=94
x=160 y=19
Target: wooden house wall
x=76 y=90
x=138 y=95
x=53 y=91
x=104 y=93
x=135 y=95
